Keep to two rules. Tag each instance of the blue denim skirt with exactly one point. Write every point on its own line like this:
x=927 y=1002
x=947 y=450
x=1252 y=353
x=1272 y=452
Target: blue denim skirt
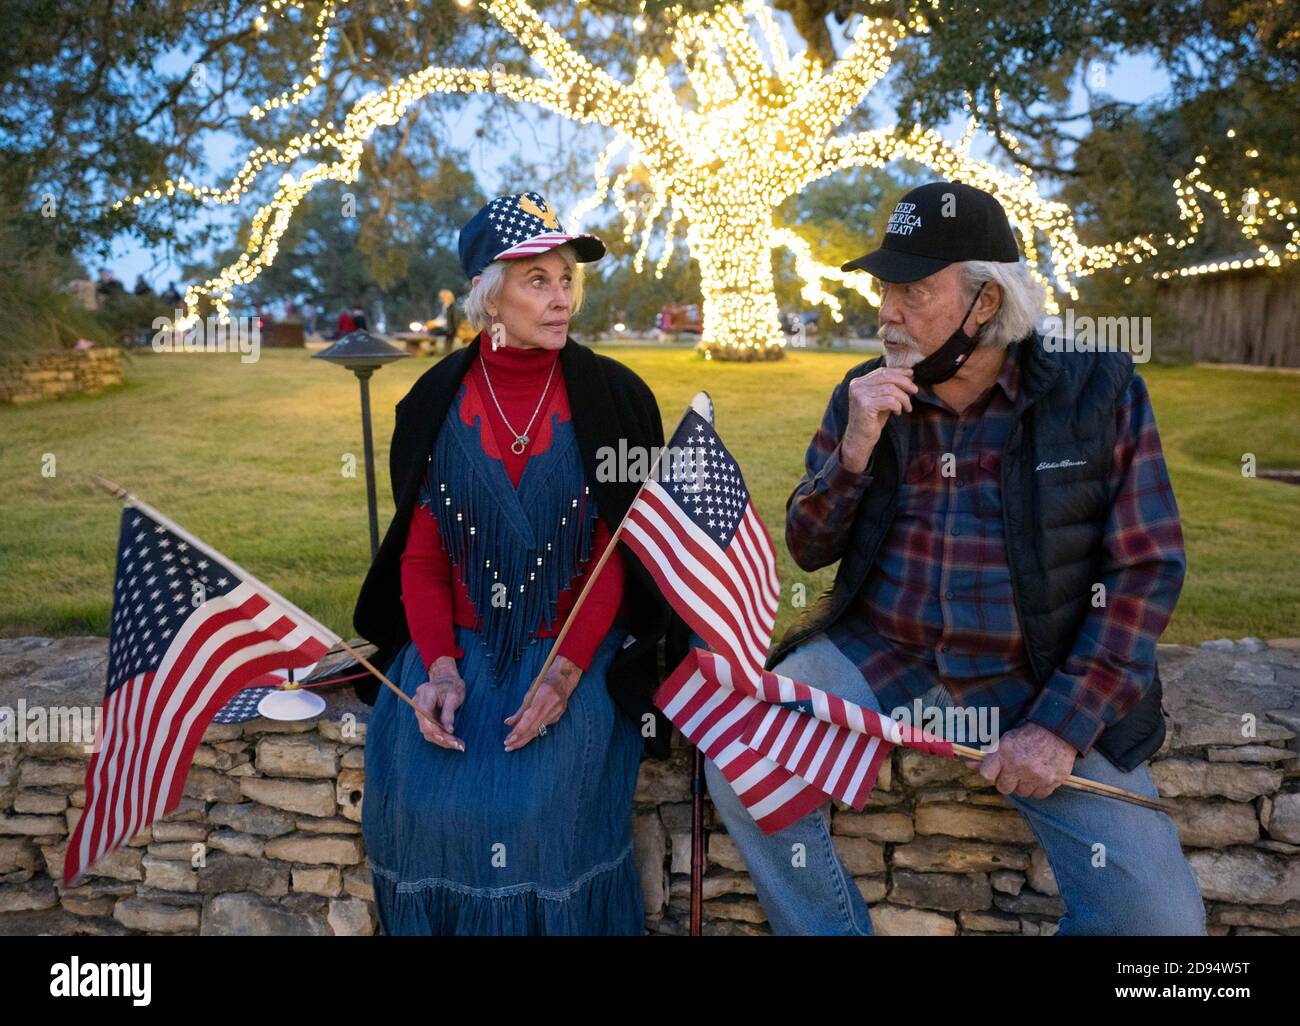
x=490 y=842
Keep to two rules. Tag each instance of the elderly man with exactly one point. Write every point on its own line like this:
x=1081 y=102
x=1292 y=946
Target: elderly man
x=1008 y=546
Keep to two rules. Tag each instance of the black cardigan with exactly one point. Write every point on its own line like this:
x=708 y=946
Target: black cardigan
x=608 y=402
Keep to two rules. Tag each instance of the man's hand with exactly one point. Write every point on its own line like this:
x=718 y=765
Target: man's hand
x=548 y=705
x=439 y=698
x=1030 y=762
x=872 y=398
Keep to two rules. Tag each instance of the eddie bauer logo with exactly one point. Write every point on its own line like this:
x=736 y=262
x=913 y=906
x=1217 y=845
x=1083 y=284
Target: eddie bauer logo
x=1059 y=463
x=102 y=979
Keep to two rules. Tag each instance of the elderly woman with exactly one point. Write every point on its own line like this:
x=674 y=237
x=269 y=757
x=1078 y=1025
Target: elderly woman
x=509 y=817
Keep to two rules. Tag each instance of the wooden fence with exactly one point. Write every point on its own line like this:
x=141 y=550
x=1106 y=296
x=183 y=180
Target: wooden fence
x=1250 y=316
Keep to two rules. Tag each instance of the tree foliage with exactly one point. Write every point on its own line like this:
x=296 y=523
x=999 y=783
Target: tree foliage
x=103 y=100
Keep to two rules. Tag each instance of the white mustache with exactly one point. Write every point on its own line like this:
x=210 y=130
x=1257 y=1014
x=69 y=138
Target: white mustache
x=897 y=335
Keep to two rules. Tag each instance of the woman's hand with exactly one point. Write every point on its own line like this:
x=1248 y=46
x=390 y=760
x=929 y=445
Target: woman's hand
x=439 y=698
x=548 y=705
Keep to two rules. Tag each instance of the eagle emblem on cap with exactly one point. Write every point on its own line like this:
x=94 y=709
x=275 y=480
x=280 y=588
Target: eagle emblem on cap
x=546 y=215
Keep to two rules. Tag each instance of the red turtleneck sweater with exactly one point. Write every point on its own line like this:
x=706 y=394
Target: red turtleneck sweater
x=433 y=593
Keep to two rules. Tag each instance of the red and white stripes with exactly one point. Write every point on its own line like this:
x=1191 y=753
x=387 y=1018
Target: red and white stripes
x=153 y=723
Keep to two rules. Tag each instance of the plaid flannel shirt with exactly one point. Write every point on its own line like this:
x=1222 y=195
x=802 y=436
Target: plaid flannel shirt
x=937 y=605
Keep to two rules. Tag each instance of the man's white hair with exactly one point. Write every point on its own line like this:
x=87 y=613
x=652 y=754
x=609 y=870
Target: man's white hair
x=1022 y=299
x=488 y=289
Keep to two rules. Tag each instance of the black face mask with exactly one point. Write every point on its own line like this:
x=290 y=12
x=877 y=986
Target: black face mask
x=947 y=360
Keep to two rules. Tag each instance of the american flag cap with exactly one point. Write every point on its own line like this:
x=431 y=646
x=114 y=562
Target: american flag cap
x=520 y=225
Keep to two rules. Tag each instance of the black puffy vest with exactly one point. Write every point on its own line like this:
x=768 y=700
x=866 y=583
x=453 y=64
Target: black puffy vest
x=1053 y=519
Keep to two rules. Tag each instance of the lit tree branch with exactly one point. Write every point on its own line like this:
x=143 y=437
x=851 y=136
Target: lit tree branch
x=825 y=102
x=759 y=131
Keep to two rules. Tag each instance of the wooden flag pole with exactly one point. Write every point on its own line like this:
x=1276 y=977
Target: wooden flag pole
x=573 y=613
x=697 y=843
x=1081 y=783
x=591 y=578
x=117 y=491
x=697 y=775
x=394 y=688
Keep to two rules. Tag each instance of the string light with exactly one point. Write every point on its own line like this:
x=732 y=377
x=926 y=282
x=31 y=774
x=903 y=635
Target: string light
x=300 y=90
x=757 y=132
x=1256 y=207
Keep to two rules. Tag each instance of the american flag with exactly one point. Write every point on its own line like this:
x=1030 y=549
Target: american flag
x=189 y=630
x=789 y=746
x=785 y=747
x=697 y=532
x=700 y=537
x=834 y=744
x=527 y=224
x=712 y=707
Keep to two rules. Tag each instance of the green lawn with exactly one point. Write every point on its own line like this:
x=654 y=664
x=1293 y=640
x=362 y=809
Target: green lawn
x=249 y=457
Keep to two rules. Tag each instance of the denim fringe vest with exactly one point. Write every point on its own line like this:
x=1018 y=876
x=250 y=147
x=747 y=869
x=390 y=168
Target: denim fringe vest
x=515 y=549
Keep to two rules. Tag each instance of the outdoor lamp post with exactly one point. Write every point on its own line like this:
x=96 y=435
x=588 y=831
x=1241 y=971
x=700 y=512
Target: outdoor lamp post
x=363 y=353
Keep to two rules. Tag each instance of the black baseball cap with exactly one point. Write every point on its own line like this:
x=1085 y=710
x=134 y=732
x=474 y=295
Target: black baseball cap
x=938 y=224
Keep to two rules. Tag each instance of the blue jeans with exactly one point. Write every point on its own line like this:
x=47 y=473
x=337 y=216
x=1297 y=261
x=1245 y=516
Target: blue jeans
x=1145 y=886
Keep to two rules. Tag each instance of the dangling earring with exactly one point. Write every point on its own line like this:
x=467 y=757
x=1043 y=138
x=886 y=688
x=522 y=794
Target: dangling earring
x=498 y=332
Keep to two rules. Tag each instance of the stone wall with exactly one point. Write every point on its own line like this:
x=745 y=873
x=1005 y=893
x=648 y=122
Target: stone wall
x=27 y=378
x=267 y=837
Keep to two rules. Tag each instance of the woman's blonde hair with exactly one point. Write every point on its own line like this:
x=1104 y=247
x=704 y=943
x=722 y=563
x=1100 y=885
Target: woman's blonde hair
x=489 y=284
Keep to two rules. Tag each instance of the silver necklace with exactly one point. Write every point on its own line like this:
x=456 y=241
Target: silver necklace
x=521 y=440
